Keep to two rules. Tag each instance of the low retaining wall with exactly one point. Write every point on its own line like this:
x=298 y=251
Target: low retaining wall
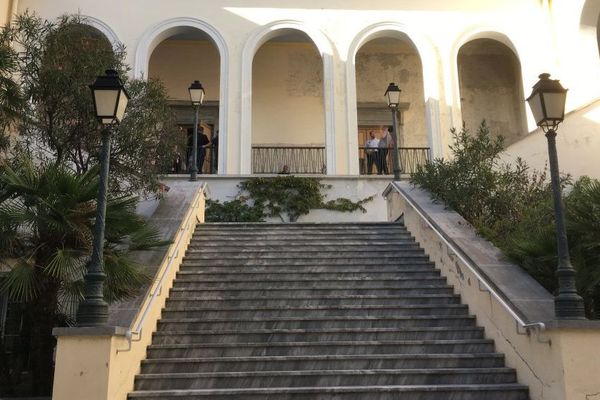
x=558 y=363
x=100 y=363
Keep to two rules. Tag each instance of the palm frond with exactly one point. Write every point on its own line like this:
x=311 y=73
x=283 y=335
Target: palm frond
x=21 y=283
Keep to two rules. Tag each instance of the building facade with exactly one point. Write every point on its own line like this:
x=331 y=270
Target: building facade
x=312 y=75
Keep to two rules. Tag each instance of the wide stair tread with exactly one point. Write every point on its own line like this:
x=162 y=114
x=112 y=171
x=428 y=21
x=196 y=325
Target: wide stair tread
x=340 y=311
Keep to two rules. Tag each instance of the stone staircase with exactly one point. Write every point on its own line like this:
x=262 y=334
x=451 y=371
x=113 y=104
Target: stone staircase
x=317 y=311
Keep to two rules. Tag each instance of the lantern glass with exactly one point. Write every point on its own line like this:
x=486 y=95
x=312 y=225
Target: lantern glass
x=555 y=105
x=106 y=101
x=121 y=106
x=535 y=103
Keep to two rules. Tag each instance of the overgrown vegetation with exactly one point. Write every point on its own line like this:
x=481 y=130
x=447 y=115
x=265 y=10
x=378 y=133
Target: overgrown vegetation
x=47 y=215
x=56 y=63
x=286 y=197
x=512 y=206
x=49 y=142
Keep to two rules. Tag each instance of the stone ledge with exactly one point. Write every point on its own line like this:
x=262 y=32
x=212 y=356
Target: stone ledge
x=91 y=331
x=584 y=324
x=500 y=273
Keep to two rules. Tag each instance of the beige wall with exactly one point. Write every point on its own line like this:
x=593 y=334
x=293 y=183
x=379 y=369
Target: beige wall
x=490 y=89
x=287 y=95
x=179 y=62
x=385 y=60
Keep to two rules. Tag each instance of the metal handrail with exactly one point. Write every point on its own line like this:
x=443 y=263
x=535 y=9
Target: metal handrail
x=535 y=326
x=158 y=287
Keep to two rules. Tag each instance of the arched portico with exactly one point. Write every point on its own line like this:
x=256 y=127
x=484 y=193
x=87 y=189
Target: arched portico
x=429 y=62
x=158 y=33
x=262 y=36
x=488 y=83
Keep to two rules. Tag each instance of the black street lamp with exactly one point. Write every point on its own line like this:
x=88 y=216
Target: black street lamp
x=547 y=103
x=393 y=97
x=197 y=97
x=110 y=101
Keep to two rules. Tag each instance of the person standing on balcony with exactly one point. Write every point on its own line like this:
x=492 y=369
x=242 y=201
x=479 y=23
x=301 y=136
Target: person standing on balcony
x=203 y=143
x=371 y=148
x=385 y=143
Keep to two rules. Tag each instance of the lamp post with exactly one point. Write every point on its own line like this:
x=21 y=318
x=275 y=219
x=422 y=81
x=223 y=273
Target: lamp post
x=547 y=103
x=110 y=101
x=393 y=97
x=196 y=97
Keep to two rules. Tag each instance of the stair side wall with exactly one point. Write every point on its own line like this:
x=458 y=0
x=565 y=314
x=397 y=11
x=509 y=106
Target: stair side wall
x=560 y=363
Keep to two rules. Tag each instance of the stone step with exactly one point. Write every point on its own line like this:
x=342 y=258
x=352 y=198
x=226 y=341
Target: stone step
x=312 y=283
x=312 y=335
x=270 y=227
x=326 y=378
x=296 y=255
x=316 y=322
x=319 y=348
x=223 y=240
x=404 y=392
x=310 y=248
x=307 y=363
x=280 y=232
x=411 y=260
x=283 y=300
x=332 y=265
x=248 y=312
x=307 y=293
x=299 y=274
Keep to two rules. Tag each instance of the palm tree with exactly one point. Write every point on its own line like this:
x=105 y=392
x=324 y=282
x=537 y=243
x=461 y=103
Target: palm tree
x=46 y=227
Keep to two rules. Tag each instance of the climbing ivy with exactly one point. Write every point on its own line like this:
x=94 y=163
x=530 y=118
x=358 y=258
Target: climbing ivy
x=286 y=197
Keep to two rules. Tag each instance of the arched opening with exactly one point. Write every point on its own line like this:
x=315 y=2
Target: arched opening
x=190 y=54
x=491 y=89
x=288 y=117
x=390 y=57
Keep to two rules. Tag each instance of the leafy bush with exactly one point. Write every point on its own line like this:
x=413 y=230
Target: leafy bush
x=512 y=207
x=232 y=211
x=282 y=196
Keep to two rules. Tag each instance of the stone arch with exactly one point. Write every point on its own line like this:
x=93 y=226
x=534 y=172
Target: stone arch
x=325 y=49
x=103 y=28
x=429 y=62
x=165 y=29
x=590 y=19
x=516 y=118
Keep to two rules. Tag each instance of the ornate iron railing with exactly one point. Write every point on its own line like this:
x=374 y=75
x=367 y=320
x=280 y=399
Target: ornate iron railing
x=288 y=159
x=371 y=161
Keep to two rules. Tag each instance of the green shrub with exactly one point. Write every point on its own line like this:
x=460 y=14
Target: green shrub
x=512 y=207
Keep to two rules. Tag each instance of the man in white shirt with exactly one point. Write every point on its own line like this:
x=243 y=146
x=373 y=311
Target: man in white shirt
x=371 y=148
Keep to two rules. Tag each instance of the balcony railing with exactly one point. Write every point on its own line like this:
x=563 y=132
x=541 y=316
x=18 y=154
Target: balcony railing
x=180 y=163
x=293 y=160
x=304 y=160
x=371 y=161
